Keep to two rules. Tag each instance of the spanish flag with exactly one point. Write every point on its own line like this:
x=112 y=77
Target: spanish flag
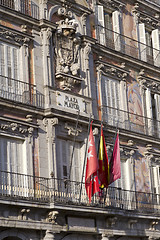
x=103 y=171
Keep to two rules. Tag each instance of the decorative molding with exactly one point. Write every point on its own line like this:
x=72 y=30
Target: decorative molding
x=111 y=221
x=131 y=223
x=112 y=4
x=72 y=131
x=12 y=127
x=87 y=51
x=146 y=82
x=106 y=69
x=153 y=225
x=7 y=34
x=23 y=214
x=49 y=123
x=141 y=17
x=52 y=217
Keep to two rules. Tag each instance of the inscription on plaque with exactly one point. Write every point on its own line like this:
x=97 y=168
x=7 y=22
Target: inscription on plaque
x=71 y=102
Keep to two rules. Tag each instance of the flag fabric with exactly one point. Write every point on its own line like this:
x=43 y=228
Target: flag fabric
x=103 y=172
x=91 y=177
x=115 y=164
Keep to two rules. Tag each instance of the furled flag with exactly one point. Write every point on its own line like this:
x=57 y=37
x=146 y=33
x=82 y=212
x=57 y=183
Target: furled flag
x=91 y=178
x=103 y=171
x=115 y=163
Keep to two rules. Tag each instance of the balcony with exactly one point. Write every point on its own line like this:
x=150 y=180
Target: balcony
x=18 y=91
x=23 y=6
x=60 y=191
x=130 y=121
x=128 y=46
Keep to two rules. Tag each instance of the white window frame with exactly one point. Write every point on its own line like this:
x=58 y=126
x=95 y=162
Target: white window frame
x=13 y=183
x=120 y=105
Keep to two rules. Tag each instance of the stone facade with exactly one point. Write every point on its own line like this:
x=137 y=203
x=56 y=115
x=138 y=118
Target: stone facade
x=62 y=64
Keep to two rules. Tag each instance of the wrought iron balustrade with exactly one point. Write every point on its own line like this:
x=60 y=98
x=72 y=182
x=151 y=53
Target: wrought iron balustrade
x=130 y=121
x=19 y=91
x=26 y=7
x=128 y=46
x=62 y=191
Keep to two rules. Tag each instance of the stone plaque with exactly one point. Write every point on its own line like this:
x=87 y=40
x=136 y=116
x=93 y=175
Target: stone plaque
x=71 y=102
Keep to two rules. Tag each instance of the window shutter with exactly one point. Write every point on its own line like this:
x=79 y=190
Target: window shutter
x=149 y=111
x=156 y=47
x=117 y=30
x=142 y=40
x=2 y=69
x=157 y=109
x=100 y=22
x=155 y=178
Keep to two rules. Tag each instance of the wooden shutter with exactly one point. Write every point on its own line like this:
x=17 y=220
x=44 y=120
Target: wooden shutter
x=142 y=40
x=157 y=110
x=100 y=23
x=149 y=111
x=117 y=30
x=156 y=47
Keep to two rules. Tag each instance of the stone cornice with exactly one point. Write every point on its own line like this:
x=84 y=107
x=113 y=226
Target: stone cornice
x=113 y=71
x=151 y=21
x=112 y=5
x=16 y=128
x=14 y=36
x=147 y=82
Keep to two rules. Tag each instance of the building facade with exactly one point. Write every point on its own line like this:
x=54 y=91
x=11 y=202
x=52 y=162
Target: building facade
x=63 y=63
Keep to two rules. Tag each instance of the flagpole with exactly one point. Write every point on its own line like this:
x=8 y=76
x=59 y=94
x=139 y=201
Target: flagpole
x=73 y=146
x=84 y=163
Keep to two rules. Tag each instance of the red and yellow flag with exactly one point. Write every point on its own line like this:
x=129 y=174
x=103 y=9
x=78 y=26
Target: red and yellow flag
x=103 y=172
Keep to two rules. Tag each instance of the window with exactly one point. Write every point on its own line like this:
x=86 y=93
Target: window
x=156 y=47
x=149 y=46
x=10 y=88
x=12 y=164
x=64 y=153
x=152 y=106
x=114 y=101
x=109 y=28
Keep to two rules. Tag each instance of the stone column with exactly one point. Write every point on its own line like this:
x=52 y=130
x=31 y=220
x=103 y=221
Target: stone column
x=50 y=123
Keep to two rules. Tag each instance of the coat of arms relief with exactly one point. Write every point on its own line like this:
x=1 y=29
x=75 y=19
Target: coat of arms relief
x=67 y=49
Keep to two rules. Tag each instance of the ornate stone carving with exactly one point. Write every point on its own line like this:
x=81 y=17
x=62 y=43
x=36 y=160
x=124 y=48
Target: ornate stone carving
x=13 y=36
x=120 y=73
x=153 y=225
x=72 y=131
x=114 y=5
x=16 y=128
x=52 y=217
x=49 y=123
x=146 y=82
x=141 y=17
x=111 y=221
x=131 y=223
x=23 y=214
x=67 y=45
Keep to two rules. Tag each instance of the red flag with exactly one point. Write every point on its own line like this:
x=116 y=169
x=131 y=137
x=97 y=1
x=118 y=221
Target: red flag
x=91 y=178
x=103 y=172
x=115 y=163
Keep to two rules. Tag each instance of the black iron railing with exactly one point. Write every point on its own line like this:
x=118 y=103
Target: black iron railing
x=62 y=191
x=130 y=121
x=19 y=91
x=26 y=7
x=128 y=46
